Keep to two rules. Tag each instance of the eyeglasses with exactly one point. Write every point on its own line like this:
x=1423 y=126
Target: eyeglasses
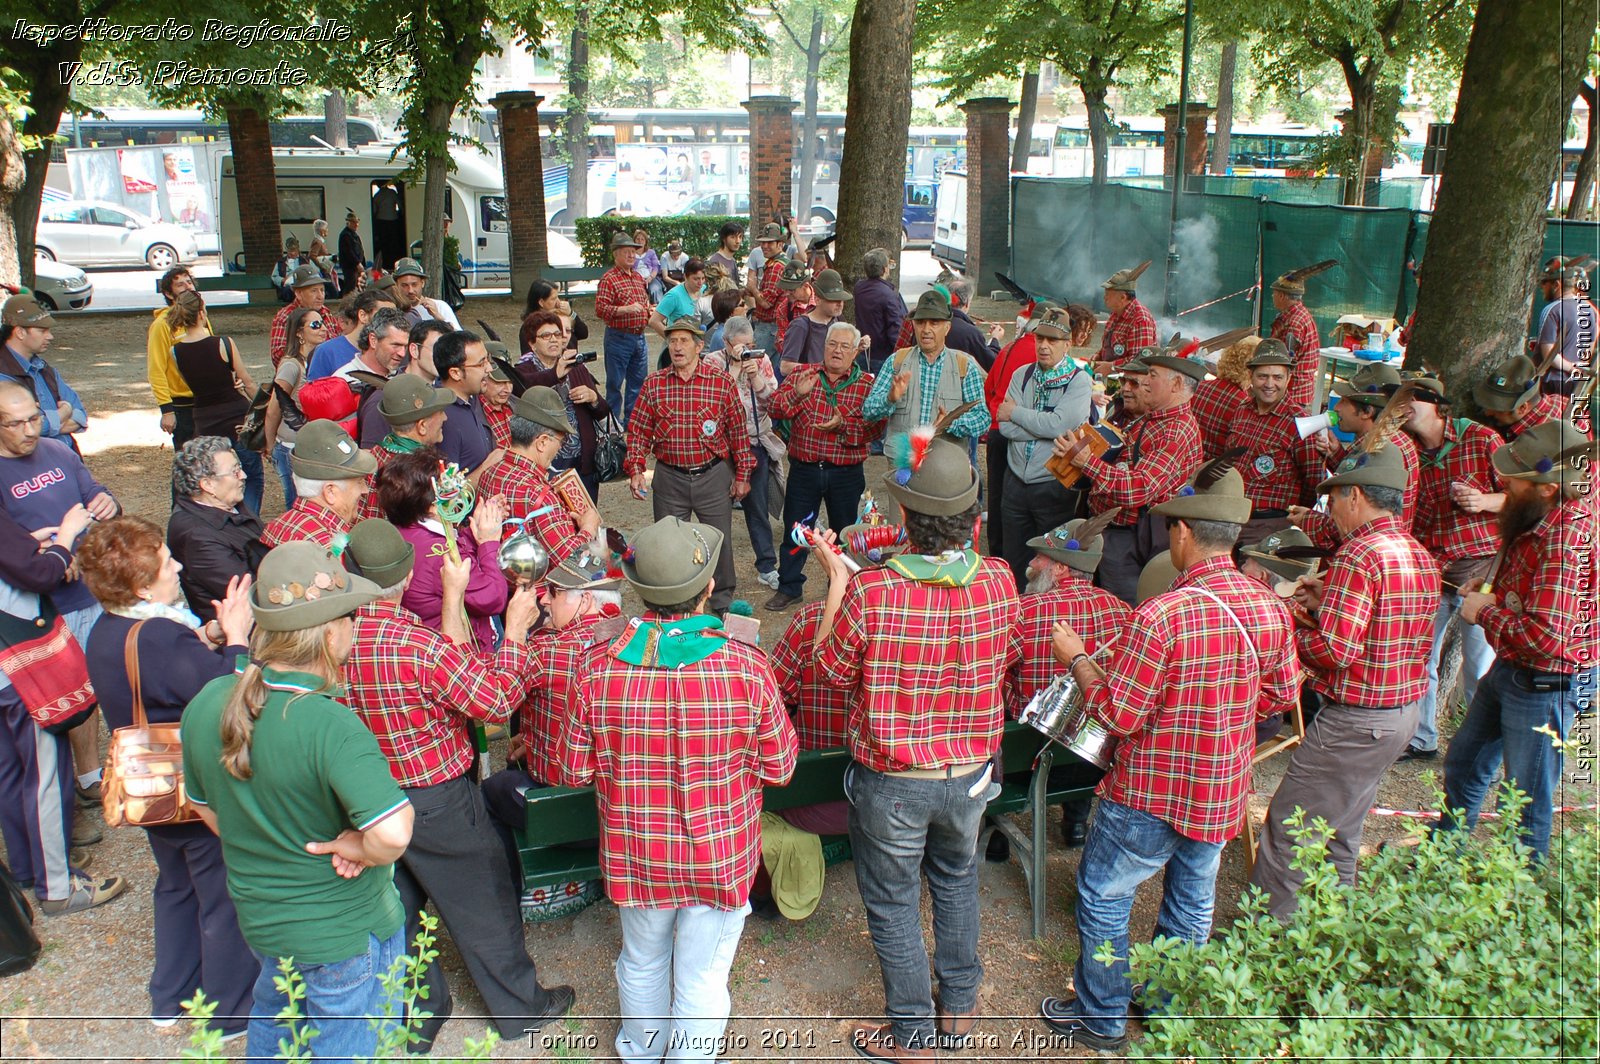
x=547 y=335
x=37 y=419
x=236 y=471
x=475 y=365
x=314 y=323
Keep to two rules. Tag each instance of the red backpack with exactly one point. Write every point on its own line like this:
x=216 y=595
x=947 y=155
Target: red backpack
x=331 y=399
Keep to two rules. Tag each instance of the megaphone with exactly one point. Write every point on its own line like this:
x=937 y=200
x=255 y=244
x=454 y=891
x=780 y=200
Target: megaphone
x=1310 y=426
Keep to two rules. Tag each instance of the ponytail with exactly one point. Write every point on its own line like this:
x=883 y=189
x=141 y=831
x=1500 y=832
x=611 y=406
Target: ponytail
x=305 y=650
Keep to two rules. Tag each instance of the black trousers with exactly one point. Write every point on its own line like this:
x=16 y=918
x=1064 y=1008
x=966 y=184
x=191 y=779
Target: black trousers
x=995 y=474
x=456 y=859
x=1120 y=565
x=812 y=486
x=198 y=943
x=1029 y=510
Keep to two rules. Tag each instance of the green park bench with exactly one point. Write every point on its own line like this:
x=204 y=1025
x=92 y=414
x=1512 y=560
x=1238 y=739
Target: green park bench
x=559 y=817
x=567 y=275
x=236 y=282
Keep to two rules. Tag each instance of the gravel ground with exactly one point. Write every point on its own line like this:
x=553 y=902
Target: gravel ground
x=796 y=987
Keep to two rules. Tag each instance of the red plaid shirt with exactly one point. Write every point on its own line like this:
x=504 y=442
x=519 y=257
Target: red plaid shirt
x=1184 y=689
x=306 y=519
x=278 y=337
x=1320 y=527
x=499 y=419
x=1449 y=532
x=419 y=693
x=1160 y=450
x=1543 y=616
x=1297 y=322
x=821 y=711
x=1097 y=616
x=1280 y=469
x=1132 y=328
x=618 y=288
x=1545 y=408
x=678 y=758
x=777 y=299
x=526 y=488
x=671 y=418
x=544 y=711
x=844 y=445
x=926 y=665
x=370 y=506
x=1375 y=627
x=1214 y=405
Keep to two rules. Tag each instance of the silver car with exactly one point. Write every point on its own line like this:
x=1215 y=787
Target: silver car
x=92 y=233
x=58 y=286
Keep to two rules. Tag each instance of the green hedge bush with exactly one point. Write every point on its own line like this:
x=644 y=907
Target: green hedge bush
x=1456 y=949
x=697 y=231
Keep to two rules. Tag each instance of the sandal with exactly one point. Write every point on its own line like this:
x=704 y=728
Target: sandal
x=86 y=894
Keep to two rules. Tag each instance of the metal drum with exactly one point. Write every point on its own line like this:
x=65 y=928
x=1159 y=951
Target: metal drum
x=1061 y=714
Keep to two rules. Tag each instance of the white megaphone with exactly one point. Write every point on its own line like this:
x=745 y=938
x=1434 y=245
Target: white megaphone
x=1310 y=426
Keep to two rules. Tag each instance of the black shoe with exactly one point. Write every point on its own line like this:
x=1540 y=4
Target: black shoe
x=88 y=797
x=1057 y=1015
x=765 y=907
x=999 y=848
x=428 y=1029
x=561 y=1000
x=1415 y=754
x=780 y=602
x=1074 y=832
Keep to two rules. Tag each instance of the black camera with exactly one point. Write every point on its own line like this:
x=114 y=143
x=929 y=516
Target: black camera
x=584 y=356
x=749 y=353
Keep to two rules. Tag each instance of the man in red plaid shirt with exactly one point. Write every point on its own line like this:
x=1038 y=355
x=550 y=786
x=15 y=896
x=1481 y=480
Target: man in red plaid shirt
x=828 y=441
x=420 y=692
x=1280 y=469
x=1511 y=400
x=1195 y=668
x=1295 y=327
x=771 y=297
x=924 y=642
x=1217 y=399
x=308 y=293
x=1539 y=617
x=678 y=727
x=330 y=479
x=539 y=427
x=1061 y=590
x=623 y=304
x=1131 y=327
x=1159 y=451
x=691 y=419
x=1364 y=635
x=1457 y=499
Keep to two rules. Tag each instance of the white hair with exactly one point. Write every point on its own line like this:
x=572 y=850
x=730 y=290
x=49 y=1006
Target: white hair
x=739 y=326
x=307 y=488
x=602 y=596
x=843 y=326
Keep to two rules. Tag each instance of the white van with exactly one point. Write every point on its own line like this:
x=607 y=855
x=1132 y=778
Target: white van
x=950 y=219
x=320 y=183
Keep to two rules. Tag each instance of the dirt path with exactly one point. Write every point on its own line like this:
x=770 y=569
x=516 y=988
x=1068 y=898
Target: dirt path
x=795 y=986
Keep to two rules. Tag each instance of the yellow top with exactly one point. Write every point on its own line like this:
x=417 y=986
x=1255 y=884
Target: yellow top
x=160 y=366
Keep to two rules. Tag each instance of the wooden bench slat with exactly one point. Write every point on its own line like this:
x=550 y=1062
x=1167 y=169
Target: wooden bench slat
x=235 y=282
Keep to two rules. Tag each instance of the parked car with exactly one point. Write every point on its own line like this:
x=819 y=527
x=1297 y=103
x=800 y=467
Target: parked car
x=91 y=233
x=58 y=286
x=734 y=203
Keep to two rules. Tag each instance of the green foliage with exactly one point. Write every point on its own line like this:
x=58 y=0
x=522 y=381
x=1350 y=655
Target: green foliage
x=698 y=233
x=404 y=981
x=1455 y=949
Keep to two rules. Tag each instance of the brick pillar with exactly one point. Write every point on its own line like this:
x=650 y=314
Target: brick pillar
x=988 y=190
x=1199 y=115
x=771 y=157
x=522 y=164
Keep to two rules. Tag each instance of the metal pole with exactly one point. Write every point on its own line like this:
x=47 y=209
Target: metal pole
x=1181 y=156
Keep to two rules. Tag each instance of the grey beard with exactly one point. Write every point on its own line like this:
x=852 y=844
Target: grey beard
x=1040 y=582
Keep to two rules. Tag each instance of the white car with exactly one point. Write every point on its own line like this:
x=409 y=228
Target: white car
x=58 y=286
x=92 y=233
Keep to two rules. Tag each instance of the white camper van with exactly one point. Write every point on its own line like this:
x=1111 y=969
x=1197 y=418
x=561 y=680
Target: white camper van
x=950 y=219
x=319 y=183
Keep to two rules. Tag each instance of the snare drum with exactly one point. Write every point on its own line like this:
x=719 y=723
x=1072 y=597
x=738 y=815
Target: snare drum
x=1061 y=714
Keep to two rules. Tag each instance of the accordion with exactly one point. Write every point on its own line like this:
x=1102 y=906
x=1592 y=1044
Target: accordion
x=1104 y=441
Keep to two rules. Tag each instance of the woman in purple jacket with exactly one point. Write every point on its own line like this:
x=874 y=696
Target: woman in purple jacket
x=405 y=490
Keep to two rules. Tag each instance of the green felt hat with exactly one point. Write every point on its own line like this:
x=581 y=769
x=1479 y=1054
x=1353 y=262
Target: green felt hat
x=306 y=277
x=772 y=231
x=1368 y=385
x=1124 y=280
x=1156 y=577
x=570 y=576
x=1382 y=468
x=542 y=406
x=829 y=285
x=301 y=585
x=1513 y=382
x=672 y=560
x=379 y=552
x=1214 y=493
x=931 y=306
x=687 y=323
x=1064 y=544
x=942 y=483
x=408 y=268
x=1053 y=322
x=1266 y=553
x=1174 y=357
x=1555 y=452
x=408 y=399
x=1271 y=352
x=324 y=451
x=24 y=312
x=794 y=275
x=621 y=240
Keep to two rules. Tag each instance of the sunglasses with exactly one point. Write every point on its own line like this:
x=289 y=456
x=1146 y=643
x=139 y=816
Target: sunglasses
x=314 y=323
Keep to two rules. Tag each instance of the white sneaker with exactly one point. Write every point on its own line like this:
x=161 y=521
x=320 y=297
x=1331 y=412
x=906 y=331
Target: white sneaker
x=769 y=580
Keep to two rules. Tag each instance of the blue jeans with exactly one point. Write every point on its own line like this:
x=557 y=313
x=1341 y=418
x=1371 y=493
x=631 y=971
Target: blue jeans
x=672 y=981
x=810 y=485
x=280 y=461
x=1126 y=847
x=1476 y=657
x=255 y=481
x=899 y=829
x=1499 y=731
x=627 y=360
x=340 y=998
x=756 y=518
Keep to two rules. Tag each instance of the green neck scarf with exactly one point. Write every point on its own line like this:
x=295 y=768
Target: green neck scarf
x=829 y=389
x=955 y=569
x=671 y=644
x=401 y=444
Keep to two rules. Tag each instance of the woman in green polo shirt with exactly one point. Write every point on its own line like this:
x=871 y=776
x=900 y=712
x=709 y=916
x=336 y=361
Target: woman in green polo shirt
x=310 y=818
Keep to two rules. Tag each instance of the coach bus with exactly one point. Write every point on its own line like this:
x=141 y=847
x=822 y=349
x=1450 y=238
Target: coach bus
x=121 y=127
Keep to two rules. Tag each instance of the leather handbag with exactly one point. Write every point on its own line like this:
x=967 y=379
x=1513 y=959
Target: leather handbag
x=610 y=448
x=143 y=783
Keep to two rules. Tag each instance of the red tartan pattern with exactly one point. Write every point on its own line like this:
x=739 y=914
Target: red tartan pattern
x=845 y=445
x=1280 y=469
x=1097 y=616
x=619 y=288
x=821 y=710
x=1168 y=444
x=307 y=519
x=1214 y=404
x=278 y=335
x=1296 y=322
x=1543 y=616
x=672 y=414
x=526 y=489
x=544 y=712
x=1133 y=327
x=1450 y=533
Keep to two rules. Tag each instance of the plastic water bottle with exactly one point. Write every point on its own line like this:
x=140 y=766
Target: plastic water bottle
x=1375 y=339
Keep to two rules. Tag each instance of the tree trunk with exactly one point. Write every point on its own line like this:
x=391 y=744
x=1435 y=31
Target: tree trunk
x=255 y=177
x=1222 y=146
x=577 y=132
x=334 y=112
x=1099 y=134
x=1487 y=232
x=1027 y=108
x=1583 y=178
x=872 y=173
x=808 y=122
x=13 y=171
x=435 y=187
x=1363 y=101
x=48 y=99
